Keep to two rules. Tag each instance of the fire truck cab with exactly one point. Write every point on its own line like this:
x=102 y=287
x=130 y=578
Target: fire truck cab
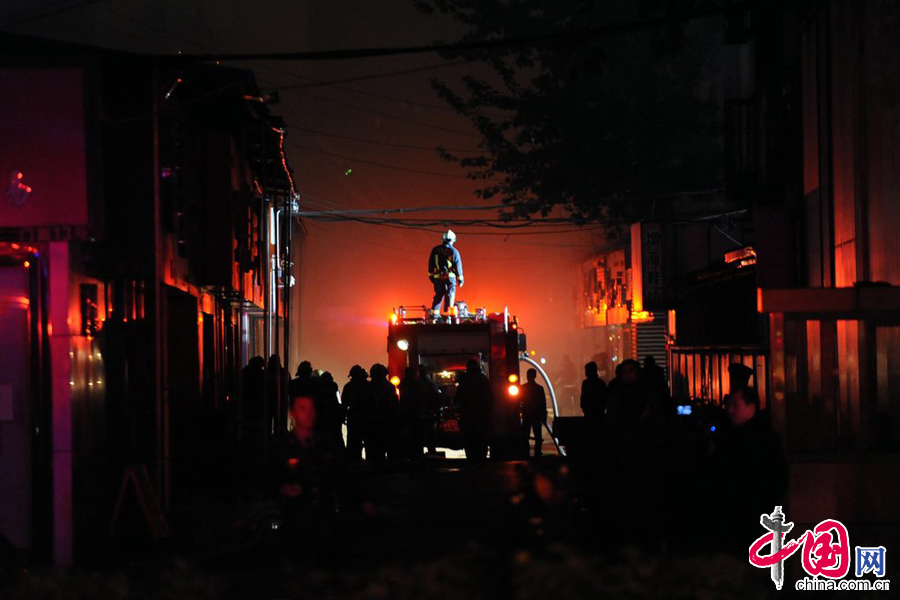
x=493 y=339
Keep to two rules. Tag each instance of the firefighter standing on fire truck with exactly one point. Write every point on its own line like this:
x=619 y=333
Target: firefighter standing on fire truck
x=445 y=270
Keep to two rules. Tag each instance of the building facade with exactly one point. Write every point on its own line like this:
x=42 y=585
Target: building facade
x=147 y=253
x=829 y=110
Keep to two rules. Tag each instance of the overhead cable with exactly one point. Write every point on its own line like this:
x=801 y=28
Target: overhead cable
x=377 y=164
x=492 y=44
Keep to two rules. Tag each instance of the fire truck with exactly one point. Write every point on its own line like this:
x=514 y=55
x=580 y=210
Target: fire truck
x=444 y=346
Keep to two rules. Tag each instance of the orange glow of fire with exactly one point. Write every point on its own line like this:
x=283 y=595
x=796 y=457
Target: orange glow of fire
x=641 y=316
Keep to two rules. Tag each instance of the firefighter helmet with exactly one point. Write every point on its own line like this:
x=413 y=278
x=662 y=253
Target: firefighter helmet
x=449 y=236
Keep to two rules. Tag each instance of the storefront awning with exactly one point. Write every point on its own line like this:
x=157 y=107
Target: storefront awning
x=876 y=302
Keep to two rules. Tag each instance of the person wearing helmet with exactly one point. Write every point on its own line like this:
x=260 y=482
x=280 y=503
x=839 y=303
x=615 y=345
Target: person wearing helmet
x=358 y=405
x=445 y=270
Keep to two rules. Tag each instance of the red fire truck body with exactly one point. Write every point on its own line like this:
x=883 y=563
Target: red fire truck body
x=493 y=340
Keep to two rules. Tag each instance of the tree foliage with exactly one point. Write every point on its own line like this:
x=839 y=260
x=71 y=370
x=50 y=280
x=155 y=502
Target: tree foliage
x=603 y=125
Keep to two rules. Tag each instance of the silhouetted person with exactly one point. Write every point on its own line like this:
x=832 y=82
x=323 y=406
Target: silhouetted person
x=358 y=405
x=306 y=472
x=381 y=437
x=445 y=271
x=304 y=384
x=750 y=470
x=328 y=408
x=655 y=376
x=635 y=434
x=534 y=412
x=429 y=408
x=739 y=375
x=278 y=382
x=252 y=383
x=593 y=394
x=410 y=407
x=251 y=426
x=475 y=400
x=617 y=378
x=566 y=381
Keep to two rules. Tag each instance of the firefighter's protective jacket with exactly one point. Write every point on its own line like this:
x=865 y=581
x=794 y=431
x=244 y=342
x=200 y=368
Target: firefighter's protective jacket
x=445 y=263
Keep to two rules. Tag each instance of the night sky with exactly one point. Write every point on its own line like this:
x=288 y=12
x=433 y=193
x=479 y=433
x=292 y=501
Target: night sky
x=355 y=274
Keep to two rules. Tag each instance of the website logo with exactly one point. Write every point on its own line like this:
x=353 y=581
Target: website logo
x=825 y=554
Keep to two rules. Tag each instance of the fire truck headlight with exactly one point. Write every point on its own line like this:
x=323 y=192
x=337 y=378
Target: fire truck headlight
x=513 y=390
x=395 y=380
x=403 y=345
x=513 y=378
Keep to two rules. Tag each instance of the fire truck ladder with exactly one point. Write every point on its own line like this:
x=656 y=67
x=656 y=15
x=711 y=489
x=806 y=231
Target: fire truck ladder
x=523 y=357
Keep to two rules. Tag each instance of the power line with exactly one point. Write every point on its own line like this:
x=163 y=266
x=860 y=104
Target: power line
x=159 y=30
x=336 y=82
x=323 y=201
x=306 y=199
x=312 y=82
x=29 y=16
x=376 y=164
x=380 y=143
x=363 y=92
x=493 y=44
x=419 y=224
x=493 y=233
x=356 y=243
x=393 y=98
x=496 y=223
x=385 y=211
x=332 y=101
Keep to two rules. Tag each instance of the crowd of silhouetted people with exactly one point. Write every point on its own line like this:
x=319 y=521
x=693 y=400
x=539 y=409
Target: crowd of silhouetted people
x=651 y=470
x=642 y=469
x=295 y=428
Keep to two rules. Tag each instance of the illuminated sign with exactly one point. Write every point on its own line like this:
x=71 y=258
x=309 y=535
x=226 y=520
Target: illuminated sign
x=648 y=254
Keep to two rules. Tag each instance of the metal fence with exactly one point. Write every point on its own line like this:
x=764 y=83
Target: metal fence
x=701 y=372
